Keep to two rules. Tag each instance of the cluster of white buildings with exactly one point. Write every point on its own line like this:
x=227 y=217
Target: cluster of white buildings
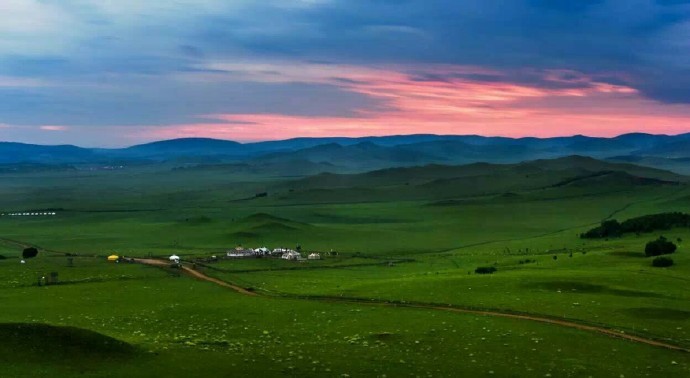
x=29 y=214
x=283 y=253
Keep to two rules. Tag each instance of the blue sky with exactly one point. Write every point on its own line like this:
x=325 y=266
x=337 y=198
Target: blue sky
x=112 y=73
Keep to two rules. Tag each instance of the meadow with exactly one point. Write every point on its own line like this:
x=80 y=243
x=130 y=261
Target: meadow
x=403 y=237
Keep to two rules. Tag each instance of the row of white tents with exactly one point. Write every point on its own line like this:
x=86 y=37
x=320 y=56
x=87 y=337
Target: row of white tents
x=39 y=214
x=284 y=253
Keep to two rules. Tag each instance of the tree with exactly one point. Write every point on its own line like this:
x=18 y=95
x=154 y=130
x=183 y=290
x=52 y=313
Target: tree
x=29 y=253
x=662 y=262
x=659 y=247
x=485 y=270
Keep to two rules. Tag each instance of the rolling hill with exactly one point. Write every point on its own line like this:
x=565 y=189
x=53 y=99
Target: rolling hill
x=341 y=155
x=12 y=153
x=439 y=182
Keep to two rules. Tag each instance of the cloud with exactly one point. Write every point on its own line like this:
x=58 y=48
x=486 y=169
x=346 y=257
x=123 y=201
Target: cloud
x=54 y=128
x=16 y=82
x=147 y=64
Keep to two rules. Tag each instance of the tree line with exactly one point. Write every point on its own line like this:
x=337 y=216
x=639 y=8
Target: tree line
x=647 y=223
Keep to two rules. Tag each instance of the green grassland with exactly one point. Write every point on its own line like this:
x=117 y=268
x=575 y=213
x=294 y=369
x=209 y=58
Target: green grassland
x=408 y=235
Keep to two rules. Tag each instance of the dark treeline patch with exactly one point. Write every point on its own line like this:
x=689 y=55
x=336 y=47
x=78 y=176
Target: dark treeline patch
x=659 y=247
x=646 y=223
x=485 y=270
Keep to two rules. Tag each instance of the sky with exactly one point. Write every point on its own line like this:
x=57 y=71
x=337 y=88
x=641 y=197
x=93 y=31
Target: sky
x=109 y=73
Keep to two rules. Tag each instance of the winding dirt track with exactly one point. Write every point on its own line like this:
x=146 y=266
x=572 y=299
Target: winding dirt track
x=562 y=323
x=198 y=275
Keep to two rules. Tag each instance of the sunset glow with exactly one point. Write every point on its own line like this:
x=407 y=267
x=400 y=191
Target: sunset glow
x=448 y=106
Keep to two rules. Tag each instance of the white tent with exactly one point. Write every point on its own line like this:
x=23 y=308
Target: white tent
x=291 y=255
x=175 y=258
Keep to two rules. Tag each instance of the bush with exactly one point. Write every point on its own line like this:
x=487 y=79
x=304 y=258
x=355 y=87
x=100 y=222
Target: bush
x=659 y=247
x=29 y=253
x=2 y=257
x=485 y=270
x=662 y=262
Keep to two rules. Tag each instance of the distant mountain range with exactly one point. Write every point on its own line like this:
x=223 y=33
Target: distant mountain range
x=367 y=153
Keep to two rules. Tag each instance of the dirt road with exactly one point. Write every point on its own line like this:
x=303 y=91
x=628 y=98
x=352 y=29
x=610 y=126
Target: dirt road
x=197 y=274
x=528 y=317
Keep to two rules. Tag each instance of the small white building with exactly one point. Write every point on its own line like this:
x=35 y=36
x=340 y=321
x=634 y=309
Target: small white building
x=314 y=256
x=262 y=251
x=175 y=259
x=291 y=255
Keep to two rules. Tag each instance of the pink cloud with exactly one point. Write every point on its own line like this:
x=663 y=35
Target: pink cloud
x=454 y=103
x=53 y=128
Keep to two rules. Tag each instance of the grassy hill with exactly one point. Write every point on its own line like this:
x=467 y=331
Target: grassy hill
x=11 y=153
x=436 y=182
x=267 y=228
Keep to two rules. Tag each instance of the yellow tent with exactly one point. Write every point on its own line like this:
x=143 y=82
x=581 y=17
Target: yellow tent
x=113 y=258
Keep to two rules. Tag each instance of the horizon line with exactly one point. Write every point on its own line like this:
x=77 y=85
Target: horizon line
x=249 y=142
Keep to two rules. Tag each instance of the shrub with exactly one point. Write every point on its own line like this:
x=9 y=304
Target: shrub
x=662 y=262
x=659 y=247
x=2 y=257
x=485 y=270
x=29 y=253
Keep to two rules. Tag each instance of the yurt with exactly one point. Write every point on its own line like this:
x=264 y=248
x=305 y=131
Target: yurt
x=175 y=259
x=113 y=258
